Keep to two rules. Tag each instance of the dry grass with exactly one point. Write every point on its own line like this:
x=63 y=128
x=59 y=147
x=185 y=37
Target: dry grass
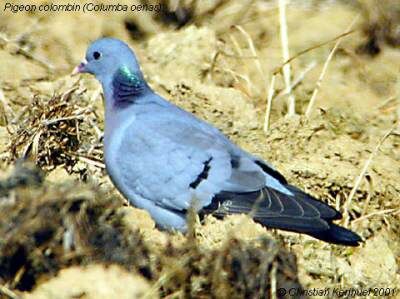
x=271 y=92
x=324 y=69
x=360 y=177
x=285 y=56
x=58 y=131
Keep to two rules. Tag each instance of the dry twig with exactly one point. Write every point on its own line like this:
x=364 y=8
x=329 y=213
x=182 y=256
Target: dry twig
x=254 y=53
x=297 y=81
x=7 y=292
x=8 y=112
x=324 y=69
x=20 y=50
x=313 y=48
x=358 y=180
x=269 y=103
x=285 y=55
x=377 y=213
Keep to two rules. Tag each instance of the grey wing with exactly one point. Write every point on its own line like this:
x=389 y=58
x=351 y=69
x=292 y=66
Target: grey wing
x=175 y=161
x=254 y=187
x=249 y=185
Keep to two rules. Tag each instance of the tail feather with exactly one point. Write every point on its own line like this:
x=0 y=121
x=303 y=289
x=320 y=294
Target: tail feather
x=338 y=235
x=299 y=213
x=327 y=212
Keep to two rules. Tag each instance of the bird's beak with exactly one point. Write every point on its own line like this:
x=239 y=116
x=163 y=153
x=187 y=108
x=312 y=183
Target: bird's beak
x=80 y=68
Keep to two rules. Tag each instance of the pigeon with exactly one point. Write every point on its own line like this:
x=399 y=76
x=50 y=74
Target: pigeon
x=167 y=161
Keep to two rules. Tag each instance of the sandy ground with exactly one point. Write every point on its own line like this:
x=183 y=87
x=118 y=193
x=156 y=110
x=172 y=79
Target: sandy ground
x=65 y=232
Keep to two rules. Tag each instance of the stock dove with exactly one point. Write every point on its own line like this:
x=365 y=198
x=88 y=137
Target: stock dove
x=165 y=160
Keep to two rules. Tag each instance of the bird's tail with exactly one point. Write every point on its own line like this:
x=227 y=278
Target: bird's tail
x=299 y=212
x=333 y=234
x=338 y=235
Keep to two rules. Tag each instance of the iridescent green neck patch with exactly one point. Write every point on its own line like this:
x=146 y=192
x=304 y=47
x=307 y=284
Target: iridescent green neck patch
x=127 y=85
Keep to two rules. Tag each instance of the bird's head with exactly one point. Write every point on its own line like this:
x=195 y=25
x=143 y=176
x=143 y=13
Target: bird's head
x=105 y=56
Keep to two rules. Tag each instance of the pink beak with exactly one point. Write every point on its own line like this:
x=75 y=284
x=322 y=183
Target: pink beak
x=80 y=68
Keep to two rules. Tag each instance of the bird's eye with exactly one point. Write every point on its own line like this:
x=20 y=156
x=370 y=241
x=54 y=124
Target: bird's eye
x=96 y=55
